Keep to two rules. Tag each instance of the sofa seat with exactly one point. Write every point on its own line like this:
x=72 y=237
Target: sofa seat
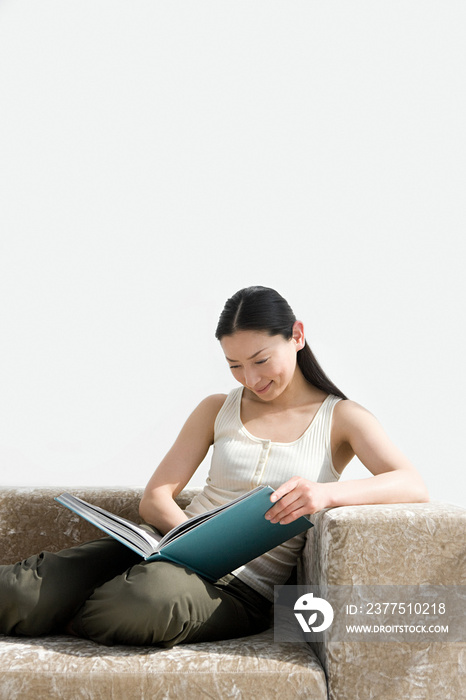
x=69 y=668
x=248 y=667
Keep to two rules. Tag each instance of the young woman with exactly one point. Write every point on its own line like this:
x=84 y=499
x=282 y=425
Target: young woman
x=286 y=425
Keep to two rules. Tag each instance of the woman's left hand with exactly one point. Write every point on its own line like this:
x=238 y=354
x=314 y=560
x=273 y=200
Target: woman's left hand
x=297 y=497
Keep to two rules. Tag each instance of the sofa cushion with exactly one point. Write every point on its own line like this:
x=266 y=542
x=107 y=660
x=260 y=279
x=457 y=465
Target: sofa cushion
x=69 y=668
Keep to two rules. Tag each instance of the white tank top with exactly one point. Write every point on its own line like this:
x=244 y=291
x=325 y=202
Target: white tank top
x=241 y=461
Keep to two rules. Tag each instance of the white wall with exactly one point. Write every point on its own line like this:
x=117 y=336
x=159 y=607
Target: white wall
x=157 y=156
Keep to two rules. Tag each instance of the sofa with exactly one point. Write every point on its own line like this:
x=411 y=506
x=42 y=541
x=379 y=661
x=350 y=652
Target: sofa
x=379 y=544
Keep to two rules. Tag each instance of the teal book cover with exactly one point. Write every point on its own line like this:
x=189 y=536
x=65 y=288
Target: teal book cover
x=212 y=544
x=233 y=537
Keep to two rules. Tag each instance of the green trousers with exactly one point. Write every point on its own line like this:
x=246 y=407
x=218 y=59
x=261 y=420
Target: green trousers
x=103 y=591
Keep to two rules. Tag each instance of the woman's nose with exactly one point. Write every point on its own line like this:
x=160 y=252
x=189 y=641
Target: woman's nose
x=252 y=377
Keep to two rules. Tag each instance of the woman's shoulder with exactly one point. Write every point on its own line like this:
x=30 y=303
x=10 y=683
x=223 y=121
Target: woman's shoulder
x=349 y=415
x=213 y=401
x=202 y=420
x=212 y=404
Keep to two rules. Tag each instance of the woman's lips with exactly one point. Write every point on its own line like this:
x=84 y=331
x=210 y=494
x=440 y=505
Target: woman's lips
x=264 y=389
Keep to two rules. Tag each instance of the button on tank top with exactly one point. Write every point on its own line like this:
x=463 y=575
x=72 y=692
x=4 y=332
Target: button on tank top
x=241 y=461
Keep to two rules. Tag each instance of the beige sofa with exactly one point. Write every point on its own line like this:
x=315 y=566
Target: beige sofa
x=397 y=544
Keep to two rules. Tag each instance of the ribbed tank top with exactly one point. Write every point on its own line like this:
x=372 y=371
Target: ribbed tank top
x=241 y=461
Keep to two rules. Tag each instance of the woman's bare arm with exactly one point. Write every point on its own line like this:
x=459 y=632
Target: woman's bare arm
x=157 y=505
x=394 y=480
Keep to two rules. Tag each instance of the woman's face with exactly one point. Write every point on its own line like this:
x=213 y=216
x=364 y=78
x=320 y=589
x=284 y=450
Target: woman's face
x=265 y=364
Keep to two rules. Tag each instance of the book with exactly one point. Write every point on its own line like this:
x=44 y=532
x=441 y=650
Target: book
x=212 y=544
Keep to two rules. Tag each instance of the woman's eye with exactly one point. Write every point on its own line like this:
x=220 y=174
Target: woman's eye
x=259 y=362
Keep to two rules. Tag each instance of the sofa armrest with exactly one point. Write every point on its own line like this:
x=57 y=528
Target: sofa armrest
x=403 y=543
x=399 y=544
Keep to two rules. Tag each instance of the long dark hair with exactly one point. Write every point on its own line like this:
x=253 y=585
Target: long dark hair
x=264 y=309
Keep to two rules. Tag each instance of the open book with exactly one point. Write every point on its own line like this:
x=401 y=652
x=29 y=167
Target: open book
x=212 y=544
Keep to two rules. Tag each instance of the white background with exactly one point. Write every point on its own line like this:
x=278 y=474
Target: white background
x=157 y=156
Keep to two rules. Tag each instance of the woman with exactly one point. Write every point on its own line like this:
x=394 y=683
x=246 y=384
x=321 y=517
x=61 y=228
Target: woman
x=286 y=425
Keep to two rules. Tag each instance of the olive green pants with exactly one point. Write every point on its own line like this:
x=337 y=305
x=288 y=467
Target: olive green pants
x=103 y=591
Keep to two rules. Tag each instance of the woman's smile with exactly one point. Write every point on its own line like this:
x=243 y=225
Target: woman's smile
x=264 y=389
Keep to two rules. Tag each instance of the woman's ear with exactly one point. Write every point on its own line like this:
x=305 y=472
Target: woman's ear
x=298 y=335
